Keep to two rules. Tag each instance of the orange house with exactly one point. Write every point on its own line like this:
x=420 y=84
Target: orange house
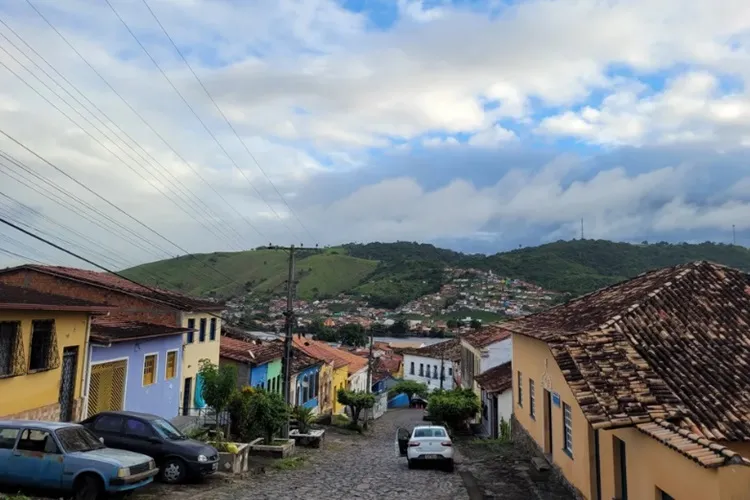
x=642 y=390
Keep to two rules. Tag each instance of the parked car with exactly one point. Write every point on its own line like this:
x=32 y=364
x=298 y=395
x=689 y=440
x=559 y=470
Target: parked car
x=177 y=456
x=430 y=444
x=64 y=458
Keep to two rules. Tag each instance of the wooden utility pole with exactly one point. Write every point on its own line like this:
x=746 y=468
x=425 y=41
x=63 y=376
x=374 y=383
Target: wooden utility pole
x=369 y=374
x=442 y=367
x=286 y=361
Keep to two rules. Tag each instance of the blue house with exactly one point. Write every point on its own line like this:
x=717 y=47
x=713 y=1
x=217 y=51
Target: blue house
x=305 y=380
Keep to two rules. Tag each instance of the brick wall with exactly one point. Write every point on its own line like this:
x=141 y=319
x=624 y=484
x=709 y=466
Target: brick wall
x=128 y=307
x=50 y=413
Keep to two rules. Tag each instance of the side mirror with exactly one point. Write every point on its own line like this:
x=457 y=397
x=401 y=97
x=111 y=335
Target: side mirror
x=154 y=440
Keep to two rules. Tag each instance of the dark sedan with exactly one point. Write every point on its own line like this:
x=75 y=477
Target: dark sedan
x=177 y=456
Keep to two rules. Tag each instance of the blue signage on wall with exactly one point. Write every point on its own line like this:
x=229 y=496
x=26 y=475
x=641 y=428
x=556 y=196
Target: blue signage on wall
x=555 y=399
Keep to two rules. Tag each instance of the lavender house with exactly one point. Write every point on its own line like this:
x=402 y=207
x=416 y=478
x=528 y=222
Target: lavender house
x=135 y=367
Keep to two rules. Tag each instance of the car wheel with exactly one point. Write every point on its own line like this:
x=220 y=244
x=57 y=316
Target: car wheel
x=173 y=471
x=450 y=466
x=88 y=487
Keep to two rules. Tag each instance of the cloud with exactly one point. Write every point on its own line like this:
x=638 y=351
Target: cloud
x=492 y=124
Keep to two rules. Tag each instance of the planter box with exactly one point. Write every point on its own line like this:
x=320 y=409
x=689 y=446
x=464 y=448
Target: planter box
x=234 y=463
x=311 y=439
x=279 y=449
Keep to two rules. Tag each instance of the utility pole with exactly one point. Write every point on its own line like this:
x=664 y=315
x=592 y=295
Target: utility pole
x=582 y=228
x=734 y=236
x=369 y=374
x=442 y=367
x=286 y=361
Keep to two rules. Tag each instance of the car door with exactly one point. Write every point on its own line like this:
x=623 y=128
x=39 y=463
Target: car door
x=36 y=461
x=8 y=438
x=140 y=437
x=109 y=427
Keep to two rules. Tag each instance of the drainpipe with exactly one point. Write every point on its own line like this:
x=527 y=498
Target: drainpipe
x=86 y=373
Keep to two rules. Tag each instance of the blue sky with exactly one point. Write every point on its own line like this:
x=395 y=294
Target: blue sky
x=477 y=125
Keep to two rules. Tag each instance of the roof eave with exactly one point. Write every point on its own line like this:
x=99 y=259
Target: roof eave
x=60 y=308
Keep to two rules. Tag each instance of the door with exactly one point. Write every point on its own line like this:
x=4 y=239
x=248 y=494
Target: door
x=547 y=423
x=140 y=437
x=68 y=383
x=8 y=438
x=36 y=461
x=109 y=428
x=107 y=387
x=494 y=420
x=621 y=469
x=186 y=390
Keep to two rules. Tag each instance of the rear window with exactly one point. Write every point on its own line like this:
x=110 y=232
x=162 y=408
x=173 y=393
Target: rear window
x=426 y=433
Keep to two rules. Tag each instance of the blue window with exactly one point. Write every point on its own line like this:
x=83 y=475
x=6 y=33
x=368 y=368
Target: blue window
x=202 y=334
x=212 y=335
x=191 y=334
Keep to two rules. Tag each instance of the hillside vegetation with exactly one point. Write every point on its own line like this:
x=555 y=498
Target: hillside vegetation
x=390 y=274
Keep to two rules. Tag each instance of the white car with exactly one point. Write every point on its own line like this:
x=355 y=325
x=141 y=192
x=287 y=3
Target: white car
x=430 y=443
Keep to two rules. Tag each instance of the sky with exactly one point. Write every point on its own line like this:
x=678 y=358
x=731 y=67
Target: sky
x=135 y=130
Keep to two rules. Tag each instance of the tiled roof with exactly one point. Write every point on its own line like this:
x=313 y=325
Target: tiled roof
x=300 y=361
x=322 y=351
x=450 y=350
x=496 y=379
x=251 y=353
x=111 y=281
x=13 y=297
x=696 y=448
x=485 y=336
x=672 y=343
x=103 y=330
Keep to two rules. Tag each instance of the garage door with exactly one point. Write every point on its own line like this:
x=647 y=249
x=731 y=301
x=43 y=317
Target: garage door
x=107 y=388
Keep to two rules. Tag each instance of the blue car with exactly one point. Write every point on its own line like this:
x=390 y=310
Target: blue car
x=67 y=459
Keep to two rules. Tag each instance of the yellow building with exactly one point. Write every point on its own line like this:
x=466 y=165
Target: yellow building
x=340 y=379
x=639 y=390
x=44 y=342
x=202 y=343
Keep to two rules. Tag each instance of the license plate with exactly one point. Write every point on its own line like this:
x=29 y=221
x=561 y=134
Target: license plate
x=215 y=466
x=433 y=457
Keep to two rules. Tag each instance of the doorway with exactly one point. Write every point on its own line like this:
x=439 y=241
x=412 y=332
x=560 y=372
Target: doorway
x=186 y=393
x=547 y=423
x=68 y=383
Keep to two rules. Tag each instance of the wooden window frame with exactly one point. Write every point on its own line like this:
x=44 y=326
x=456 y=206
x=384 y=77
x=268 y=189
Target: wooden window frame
x=167 y=376
x=155 y=371
x=567 y=416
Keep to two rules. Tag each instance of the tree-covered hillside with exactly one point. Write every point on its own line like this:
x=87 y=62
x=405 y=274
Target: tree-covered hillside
x=390 y=274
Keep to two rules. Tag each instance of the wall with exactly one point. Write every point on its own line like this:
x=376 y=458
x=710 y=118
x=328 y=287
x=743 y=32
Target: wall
x=274 y=371
x=243 y=372
x=504 y=406
x=380 y=407
x=309 y=373
x=325 y=388
x=340 y=378
x=259 y=376
x=193 y=353
x=496 y=354
x=36 y=395
x=432 y=383
x=161 y=398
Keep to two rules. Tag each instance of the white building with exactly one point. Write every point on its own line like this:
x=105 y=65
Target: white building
x=496 y=385
x=426 y=364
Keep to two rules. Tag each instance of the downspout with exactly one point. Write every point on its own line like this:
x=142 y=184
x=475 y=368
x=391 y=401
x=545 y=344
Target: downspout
x=86 y=373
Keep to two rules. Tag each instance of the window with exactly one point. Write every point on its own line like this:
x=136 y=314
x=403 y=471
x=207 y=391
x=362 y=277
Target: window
x=411 y=370
x=568 y=429
x=305 y=385
x=43 y=352
x=212 y=334
x=450 y=371
x=37 y=441
x=191 y=333
x=421 y=369
x=434 y=371
x=171 y=365
x=149 y=369
x=268 y=385
x=8 y=438
x=108 y=423
x=202 y=333
x=663 y=495
x=520 y=389
x=75 y=439
x=11 y=349
x=532 y=400
x=138 y=428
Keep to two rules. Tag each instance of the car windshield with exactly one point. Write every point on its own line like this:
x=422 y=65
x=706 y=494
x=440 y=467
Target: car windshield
x=167 y=430
x=78 y=439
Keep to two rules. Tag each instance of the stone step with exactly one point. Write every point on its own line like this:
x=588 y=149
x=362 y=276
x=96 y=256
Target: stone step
x=540 y=464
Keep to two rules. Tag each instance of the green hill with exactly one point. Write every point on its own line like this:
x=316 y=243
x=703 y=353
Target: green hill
x=392 y=273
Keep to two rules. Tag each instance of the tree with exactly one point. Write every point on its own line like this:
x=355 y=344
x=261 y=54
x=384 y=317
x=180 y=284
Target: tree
x=400 y=327
x=410 y=388
x=321 y=332
x=355 y=401
x=353 y=335
x=219 y=383
x=476 y=324
x=452 y=323
x=453 y=408
x=268 y=412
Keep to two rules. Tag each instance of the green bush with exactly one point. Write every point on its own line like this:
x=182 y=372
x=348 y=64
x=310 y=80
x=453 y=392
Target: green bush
x=453 y=408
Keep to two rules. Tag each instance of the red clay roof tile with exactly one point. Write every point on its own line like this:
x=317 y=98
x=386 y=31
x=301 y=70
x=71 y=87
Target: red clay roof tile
x=496 y=379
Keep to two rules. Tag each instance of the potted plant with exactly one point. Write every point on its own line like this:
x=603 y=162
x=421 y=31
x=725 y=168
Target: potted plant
x=267 y=412
x=305 y=435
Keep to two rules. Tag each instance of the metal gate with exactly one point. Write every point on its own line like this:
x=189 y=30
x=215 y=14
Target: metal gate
x=68 y=383
x=107 y=387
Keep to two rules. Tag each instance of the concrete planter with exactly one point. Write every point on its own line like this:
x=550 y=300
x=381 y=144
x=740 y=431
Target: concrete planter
x=280 y=448
x=234 y=463
x=311 y=439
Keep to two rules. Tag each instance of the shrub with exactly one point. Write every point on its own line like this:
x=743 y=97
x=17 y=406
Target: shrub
x=219 y=383
x=304 y=417
x=355 y=401
x=453 y=408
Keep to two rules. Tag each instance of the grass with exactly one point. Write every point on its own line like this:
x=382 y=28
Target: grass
x=289 y=463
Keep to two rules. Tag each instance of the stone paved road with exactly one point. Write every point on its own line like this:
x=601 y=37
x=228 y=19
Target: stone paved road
x=345 y=467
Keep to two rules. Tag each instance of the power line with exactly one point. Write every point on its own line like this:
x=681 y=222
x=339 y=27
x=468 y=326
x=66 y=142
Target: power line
x=208 y=130
x=244 y=144
x=140 y=117
x=98 y=141
x=18 y=255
